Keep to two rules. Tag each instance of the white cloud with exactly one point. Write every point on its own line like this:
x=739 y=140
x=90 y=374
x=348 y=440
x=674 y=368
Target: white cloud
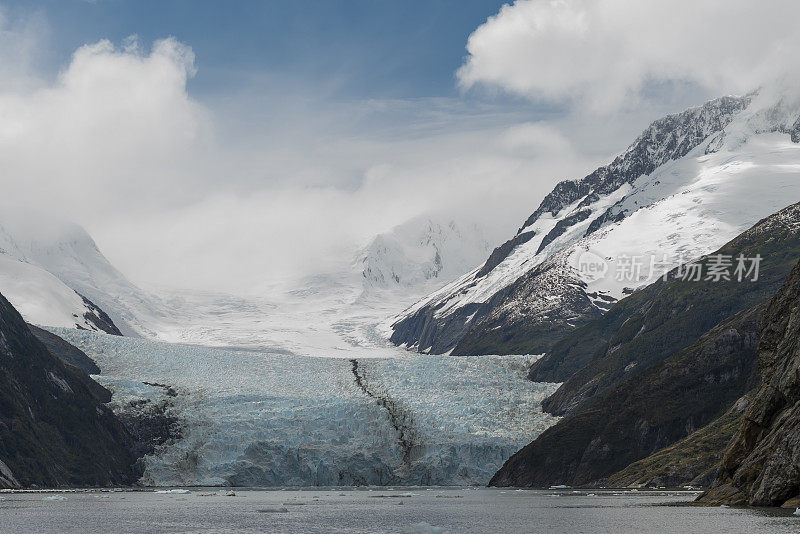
x=603 y=53
x=110 y=132
x=188 y=194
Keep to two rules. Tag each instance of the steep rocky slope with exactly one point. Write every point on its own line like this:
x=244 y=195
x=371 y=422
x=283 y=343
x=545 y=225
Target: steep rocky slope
x=762 y=466
x=665 y=317
x=693 y=461
x=55 y=429
x=657 y=408
x=688 y=184
x=64 y=351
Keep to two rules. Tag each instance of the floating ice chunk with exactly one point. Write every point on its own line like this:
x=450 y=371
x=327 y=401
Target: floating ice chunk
x=174 y=491
x=59 y=498
x=797 y=511
x=423 y=528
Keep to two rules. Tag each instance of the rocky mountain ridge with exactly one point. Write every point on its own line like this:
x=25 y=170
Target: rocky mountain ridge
x=681 y=190
x=658 y=408
x=665 y=317
x=654 y=370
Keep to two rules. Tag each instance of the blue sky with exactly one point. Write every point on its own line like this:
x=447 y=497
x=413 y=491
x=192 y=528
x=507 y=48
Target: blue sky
x=351 y=48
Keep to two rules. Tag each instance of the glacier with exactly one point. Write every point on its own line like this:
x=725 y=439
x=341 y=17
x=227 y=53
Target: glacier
x=261 y=418
x=311 y=394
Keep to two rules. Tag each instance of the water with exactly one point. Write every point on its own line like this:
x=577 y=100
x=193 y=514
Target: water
x=377 y=510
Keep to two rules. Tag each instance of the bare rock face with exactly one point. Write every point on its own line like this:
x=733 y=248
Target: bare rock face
x=55 y=427
x=693 y=461
x=762 y=466
x=650 y=411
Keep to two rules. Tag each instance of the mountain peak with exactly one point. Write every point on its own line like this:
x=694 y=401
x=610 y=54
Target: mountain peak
x=688 y=183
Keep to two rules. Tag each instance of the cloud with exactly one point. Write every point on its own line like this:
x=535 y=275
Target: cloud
x=251 y=237
x=233 y=197
x=112 y=128
x=603 y=53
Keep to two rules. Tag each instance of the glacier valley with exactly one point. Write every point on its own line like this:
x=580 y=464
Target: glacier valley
x=297 y=384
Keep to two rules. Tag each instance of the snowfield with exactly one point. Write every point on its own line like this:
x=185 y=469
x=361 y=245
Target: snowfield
x=423 y=253
x=40 y=296
x=45 y=262
x=274 y=419
x=337 y=314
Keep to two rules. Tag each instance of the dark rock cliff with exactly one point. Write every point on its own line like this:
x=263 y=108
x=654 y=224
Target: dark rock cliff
x=762 y=466
x=655 y=409
x=98 y=318
x=531 y=314
x=55 y=429
x=64 y=351
x=693 y=461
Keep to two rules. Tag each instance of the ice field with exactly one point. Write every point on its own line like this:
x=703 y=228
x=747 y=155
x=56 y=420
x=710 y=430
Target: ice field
x=251 y=418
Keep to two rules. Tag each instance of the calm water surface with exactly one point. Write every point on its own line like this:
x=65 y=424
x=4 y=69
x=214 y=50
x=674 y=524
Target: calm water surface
x=393 y=510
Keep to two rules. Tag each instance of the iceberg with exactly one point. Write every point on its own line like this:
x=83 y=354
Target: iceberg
x=423 y=528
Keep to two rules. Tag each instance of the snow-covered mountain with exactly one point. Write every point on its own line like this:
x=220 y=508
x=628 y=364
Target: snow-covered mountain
x=54 y=274
x=687 y=184
x=421 y=252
